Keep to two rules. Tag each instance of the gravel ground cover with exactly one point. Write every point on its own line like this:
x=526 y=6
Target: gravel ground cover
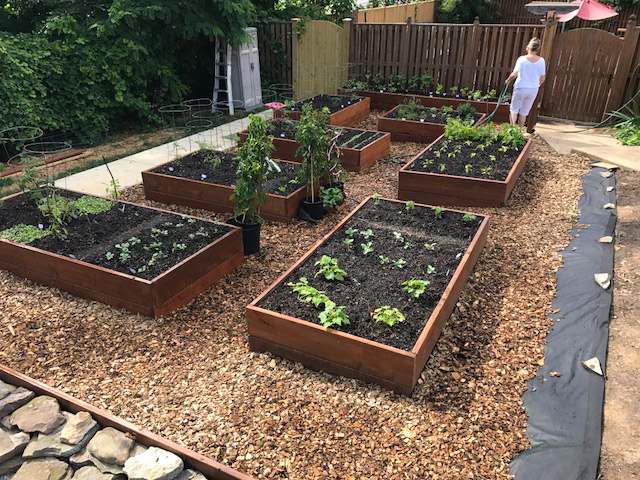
x=190 y=376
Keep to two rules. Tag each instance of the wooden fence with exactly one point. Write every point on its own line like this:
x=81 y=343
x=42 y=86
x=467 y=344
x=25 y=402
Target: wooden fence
x=419 y=12
x=275 y=44
x=477 y=56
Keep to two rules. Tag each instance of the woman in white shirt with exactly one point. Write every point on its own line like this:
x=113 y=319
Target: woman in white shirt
x=529 y=74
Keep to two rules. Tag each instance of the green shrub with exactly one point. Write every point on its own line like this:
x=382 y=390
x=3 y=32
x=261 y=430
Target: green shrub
x=459 y=130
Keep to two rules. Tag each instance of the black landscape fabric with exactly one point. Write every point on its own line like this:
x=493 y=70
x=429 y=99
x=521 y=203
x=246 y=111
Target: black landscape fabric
x=565 y=412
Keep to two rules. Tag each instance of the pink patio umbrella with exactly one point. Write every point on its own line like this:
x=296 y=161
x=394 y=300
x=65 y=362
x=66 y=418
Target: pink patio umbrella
x=588 y=10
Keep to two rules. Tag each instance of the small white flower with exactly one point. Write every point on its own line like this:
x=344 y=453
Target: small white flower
x=40 y=226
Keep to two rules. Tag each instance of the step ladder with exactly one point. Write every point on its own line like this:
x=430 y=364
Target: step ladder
x=222 y=75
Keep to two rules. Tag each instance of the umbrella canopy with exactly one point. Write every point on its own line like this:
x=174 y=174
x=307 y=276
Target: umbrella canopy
x=588 y=10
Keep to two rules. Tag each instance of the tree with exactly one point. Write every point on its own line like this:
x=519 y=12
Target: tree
x=465 y=11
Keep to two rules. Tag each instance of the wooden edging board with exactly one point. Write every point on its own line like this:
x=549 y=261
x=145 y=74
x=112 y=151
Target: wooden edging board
x=168 y=291
x=353 y=160
x=348 y=355
x=386 y=101
x=347 y=117
x=456 y=190
x=411 y=130
x=192 y=193
x=212 y=469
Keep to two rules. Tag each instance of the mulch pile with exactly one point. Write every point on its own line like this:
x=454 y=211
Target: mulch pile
x=190 y=376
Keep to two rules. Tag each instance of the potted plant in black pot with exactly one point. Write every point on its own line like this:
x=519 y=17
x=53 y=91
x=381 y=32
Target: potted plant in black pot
x=254 y=167
x=315 y=142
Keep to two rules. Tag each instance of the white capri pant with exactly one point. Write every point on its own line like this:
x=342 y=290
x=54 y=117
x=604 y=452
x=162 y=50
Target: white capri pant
x=522 y=100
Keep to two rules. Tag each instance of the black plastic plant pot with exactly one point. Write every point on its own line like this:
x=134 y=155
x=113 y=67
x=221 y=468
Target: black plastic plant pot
x=315 y=209
x=250 y=235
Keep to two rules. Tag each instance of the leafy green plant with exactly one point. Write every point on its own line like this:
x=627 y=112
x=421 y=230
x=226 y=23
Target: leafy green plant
x=415 y=288
x=627 y=125
x=376 y=199
x=431 y=269
x=24 y=234
x=348 y=242
x=330 y=269
x=367 y=248
x=430 y=246
x=438 y=211
x=366 y=234
x=388 y=315
x=88 y=205
x=468 y=217
x=462 y=131
x=399 y=264
x=315 y=141
x=254 y=168
x=468 y=168
x=398 y=237
x=384 y=260
x=511 y=136
x=58 y=211
x=466 y=113
x=410 y=205
x=331 y=197
x=331 y=314
x=410 y=110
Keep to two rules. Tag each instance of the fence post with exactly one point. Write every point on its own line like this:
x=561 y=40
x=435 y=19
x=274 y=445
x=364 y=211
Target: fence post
x=546 y=51
x=625 y=64
x=344 y=74
x=295 y=67
x=471 y=49
x=404 y=49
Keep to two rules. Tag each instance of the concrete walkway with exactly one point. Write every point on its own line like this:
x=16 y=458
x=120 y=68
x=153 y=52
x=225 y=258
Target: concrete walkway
x=598 y=144
x=127 y=170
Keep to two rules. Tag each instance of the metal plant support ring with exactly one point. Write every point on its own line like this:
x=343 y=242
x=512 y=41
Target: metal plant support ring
x=19 y=134
x=283 y=91
x=174 y=115
x=198 y=105
x=46 y=148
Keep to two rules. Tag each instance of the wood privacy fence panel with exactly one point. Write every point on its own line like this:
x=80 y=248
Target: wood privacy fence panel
x=320 y=55
x=633 y=82
x=275 y=44
x=418 y=12
x=477 y=56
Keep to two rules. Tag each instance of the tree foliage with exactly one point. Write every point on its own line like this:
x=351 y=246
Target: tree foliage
x=334 y=10
x=78 y=66
x=465 y=11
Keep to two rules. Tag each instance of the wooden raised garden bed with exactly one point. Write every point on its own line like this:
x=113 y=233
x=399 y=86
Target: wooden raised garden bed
x=211 y=469
x=184 y=182
x=362 y=148
x=386 y=101
x=279 y=322
x=405 y=130
x=459 y=189
x=346 y=110
x=88 y=263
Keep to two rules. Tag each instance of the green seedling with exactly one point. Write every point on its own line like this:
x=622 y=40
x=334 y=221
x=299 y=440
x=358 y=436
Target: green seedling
x=330 y=269
x=415 y=288
x=388 y=315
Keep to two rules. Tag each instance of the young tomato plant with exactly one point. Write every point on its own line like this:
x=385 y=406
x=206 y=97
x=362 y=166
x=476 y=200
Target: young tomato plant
x=388 y=315
x=330 y=269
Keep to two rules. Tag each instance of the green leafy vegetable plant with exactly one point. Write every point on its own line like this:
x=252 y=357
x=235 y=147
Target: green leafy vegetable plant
x=331 y=314
x=415 y=288
x=399 y=264
x=88 y=205
x=332 y=197
x=468 y=217
x=24 y=234
x=330 y=269
x=438 y=211
x=388 y=315
x=367 y=248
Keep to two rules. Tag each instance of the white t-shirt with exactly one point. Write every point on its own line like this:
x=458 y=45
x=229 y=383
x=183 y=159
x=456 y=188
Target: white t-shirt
x=529 y=73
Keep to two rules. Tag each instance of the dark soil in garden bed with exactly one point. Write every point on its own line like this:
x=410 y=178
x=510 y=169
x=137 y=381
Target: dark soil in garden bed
x=348 y=137
x=451 y=157
x=334 y=103
x=371 y=284
x=429 y=115
x=220 y=167
x=146 y=234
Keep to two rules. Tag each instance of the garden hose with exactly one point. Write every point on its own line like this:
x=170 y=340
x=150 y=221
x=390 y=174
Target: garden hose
x=498 y=103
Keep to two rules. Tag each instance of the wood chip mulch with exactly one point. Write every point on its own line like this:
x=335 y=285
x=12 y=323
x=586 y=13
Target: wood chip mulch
x=190 y=376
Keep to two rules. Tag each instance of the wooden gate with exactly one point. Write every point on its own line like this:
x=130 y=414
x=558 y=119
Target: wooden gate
x=585 y=72
x=320 y=56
